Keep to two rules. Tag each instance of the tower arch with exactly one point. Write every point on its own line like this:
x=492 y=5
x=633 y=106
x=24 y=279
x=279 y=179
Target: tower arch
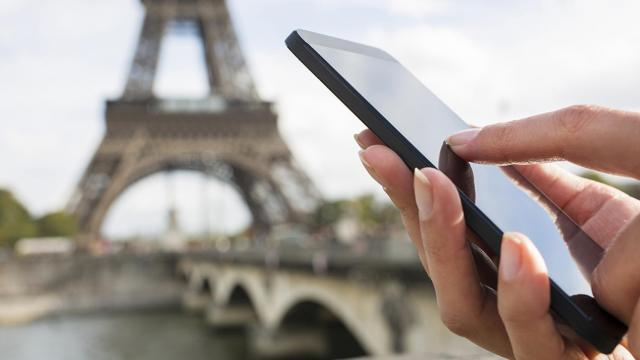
x=231 y=126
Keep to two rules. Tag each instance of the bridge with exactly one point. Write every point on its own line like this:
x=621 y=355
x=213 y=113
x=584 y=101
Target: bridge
x=340 y=306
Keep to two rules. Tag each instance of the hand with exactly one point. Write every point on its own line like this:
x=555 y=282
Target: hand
x=517 y=323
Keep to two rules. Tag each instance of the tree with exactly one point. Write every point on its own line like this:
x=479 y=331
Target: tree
x=376 y=218
x=58 y=223
x=327 y=214
x=15 y=220
x=366 y=211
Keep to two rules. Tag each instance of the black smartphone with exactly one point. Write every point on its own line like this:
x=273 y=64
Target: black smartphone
x=414 y=123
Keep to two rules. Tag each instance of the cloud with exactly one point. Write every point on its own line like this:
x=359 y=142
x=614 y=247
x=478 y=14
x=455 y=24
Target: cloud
x=57 y=67
x=417 y=8
x=405 y=8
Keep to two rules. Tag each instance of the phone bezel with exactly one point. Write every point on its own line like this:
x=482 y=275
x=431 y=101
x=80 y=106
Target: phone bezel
x=599 y=328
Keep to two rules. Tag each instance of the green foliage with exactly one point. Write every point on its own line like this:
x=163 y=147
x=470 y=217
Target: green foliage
x=15 y=220
x=632 y=188
x=366 y=211
x=373 y=217
x=328 y=214
x=57 y=223
x=592 y=175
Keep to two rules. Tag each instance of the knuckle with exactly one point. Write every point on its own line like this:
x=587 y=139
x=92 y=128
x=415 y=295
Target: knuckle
x=437 y=249
x=457 y=323
x=442 y=248
x=408 y=212
x=512 y=315
x=406 y=208
x=574 y=119
x=506 y=135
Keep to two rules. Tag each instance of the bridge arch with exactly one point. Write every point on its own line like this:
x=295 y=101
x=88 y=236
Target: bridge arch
x=248 y=282
x=370 y=332
x=198 y=280
x=239 y=295
x=357 y=307
x=342 y=340
x=206 y=287
x=275 y=300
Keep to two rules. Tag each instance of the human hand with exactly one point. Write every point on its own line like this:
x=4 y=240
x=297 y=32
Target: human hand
x=517 y=323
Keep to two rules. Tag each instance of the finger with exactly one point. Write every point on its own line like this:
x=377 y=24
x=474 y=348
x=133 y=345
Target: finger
x=598 y=138
x=524 y=299
x=622 y=353
x=367 y=138
x=457 y=170
x=485 y=265
x=615 y=282
x=600 y=210
x=633 y=336
x=460 y=173
x=466 y=307
x=583 y=210
x=588 y=214
x=390 y=171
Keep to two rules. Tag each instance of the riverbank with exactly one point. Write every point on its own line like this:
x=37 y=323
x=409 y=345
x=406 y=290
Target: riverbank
x=35 y=287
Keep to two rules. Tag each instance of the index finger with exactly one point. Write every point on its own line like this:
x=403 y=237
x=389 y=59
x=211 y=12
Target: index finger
x=598 y=138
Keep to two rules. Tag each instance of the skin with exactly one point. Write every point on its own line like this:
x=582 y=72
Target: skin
x=515 y=322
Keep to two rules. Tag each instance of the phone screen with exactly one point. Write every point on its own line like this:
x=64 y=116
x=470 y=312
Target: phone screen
x=506 y=197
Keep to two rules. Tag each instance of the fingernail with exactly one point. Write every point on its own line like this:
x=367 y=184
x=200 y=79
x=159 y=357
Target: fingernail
x=462 y=138
x=424 y=194
x=364 y=161
x=357 y=138
x=510 y=257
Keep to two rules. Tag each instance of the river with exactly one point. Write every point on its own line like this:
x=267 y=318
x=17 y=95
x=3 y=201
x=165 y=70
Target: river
x=166 y=335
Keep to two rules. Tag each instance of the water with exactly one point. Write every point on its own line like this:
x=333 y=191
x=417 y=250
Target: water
x=120 y=336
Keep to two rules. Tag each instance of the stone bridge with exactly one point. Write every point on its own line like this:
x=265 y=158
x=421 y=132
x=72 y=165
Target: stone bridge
x=379 y=307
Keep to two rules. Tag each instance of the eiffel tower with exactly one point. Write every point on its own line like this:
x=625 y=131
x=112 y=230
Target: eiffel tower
x=231 y=134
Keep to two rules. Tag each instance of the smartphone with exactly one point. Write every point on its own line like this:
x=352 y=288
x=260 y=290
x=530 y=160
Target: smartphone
x=414 y=123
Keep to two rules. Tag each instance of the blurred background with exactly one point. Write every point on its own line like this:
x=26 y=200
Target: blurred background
x=185 y=257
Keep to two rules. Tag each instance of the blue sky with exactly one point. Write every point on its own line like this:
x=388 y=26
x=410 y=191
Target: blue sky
x=490 y=60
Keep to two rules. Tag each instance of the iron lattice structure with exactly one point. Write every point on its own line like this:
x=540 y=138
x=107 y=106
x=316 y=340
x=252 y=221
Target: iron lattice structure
x=231 y=134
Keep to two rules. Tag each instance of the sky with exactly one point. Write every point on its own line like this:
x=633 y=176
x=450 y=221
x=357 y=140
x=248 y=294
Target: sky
x=490 y=61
